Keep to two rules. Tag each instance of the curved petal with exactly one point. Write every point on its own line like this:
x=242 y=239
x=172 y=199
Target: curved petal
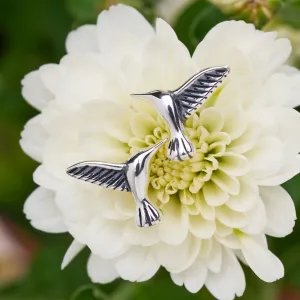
x=257 y=219
x=108 y=241
x=164 y=29
x=238 y=35
x=72 y=251
x=193 y=278
x=122 y=30
x=261 y=260
x=83 y=39
x=280 y=209
x=290 y=168
x=34 y=90
x=230 y=217
x=247 y=198
x=138 y=264
x=173 y=228
x=212 y=119
x=140 y=236
x=101 y=270
x=214 y=195
x=167 y=255
x=43 y=213
x=266 y=158
x=33 y=138
x=230 y=281
x=201 y=228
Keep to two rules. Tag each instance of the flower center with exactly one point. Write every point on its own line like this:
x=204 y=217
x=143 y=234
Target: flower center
x=181 y=179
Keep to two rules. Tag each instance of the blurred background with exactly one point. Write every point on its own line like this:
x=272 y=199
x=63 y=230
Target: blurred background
x=32 y=33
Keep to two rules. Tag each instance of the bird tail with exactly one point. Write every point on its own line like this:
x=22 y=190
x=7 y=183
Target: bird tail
x=146 y=214
x=180 y=148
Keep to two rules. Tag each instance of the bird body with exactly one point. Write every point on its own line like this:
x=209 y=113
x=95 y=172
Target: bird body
x=176 y=106
x=131 y=176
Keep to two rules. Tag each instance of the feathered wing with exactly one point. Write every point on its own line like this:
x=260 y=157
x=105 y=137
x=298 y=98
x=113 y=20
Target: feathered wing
x=190 y=96
x=104 y=174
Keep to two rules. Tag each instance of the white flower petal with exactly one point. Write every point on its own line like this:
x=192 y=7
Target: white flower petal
x=214 y=260
x=234 y=122
x=164 y=29
x=167 y=255
x=257 y=219
x=247 y=198
x=101 y=270
x=34 y=91
x=173 y=228
x=46 y=179
x=229 y=184
x=242 y=37
x=230 y=217
x=233 y=164
x=142 y=125
x=214 y=195
x=261 y=260
x=201 y=228
x=193 y=278
x=230 y=281
x=107 y=241
x=71 y=253
x=280 y=209
x=288 y=171
x=281 y=89
x=156 y=74
x=266 y=158
x=83 y=39
x=138 y=264
x=43 y=213
x=122 y=30
x=288 y=122
x=211 y=119
x=140 y=236
x=33 y=138
x=247 y=140
x=206 y=211
x=51 y=76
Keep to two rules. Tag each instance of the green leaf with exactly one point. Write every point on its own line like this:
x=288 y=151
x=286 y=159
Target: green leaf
x=194 y=23
x=290 y=12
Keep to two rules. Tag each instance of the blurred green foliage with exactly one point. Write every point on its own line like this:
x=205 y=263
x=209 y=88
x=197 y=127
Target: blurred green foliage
x=32 y=33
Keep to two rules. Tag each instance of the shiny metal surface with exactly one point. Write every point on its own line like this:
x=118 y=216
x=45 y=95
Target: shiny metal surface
x=176 y=106
x=132 y=176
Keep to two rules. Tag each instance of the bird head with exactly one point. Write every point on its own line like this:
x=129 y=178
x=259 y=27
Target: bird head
x=151 y=96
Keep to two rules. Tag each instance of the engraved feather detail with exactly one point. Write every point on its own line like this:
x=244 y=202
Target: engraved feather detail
x=194 y=92
x=107 y=175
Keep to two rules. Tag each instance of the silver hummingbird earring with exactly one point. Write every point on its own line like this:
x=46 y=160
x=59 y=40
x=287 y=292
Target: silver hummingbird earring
x=130 y=176
x=176 y=106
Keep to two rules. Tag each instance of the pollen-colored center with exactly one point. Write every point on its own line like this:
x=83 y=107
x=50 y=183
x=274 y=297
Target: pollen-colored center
x=182 y=180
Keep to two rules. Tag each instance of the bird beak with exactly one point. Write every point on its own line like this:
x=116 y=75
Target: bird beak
x=139 y=96
x=158 y=145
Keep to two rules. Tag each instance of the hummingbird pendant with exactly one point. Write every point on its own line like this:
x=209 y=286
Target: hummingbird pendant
x=176 y=106
x=131 y=176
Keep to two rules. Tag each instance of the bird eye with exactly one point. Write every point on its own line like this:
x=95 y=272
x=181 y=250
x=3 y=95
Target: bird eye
x=156 y=94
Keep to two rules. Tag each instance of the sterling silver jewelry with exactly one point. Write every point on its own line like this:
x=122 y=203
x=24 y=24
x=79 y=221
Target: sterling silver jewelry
x=176 y=106
x=131 y=176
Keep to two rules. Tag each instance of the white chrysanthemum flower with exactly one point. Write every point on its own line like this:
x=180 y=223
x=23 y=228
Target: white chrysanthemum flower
x=217 y=207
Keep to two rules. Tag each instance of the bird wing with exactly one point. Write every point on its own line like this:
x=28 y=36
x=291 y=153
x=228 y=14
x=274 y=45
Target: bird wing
x=104 y=174
x=195 y=91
